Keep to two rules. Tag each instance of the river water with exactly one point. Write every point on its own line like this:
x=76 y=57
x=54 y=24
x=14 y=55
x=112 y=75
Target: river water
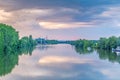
x=62 y=62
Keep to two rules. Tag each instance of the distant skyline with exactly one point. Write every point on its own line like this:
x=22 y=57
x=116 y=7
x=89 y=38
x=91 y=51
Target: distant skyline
x=62 y=19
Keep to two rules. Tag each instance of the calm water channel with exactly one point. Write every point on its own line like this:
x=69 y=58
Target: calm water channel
x=60 y=62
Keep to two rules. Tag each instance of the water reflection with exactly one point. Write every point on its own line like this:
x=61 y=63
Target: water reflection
x=108 y=55
x=83 y=50
x=103 y=54
x=44 y=47
x=10 y=58
x=47 y=60
x=26 y=50
x=61 y=62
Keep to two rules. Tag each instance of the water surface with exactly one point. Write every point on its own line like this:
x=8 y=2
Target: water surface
x=61 y=62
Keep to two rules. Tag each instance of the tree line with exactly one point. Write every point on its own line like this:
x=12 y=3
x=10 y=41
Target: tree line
x=10 y=58
x=9 y=39
x=102 y=54
x=103 y=43
x=11 y=46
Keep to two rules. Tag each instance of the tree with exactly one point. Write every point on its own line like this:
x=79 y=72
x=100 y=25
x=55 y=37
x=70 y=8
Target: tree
x=8 y=37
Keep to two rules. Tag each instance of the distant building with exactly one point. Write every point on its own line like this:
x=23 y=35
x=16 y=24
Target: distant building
x=41 y=41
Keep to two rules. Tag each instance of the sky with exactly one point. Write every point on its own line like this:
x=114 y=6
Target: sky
x=62 y=19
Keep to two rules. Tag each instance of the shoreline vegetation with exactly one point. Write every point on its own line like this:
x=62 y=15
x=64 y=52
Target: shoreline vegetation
x=103 y=43
x=9 y=39
x=11 y=46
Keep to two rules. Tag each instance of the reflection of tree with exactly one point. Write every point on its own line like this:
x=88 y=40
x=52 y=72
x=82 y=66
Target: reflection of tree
x=9 y=59
x=11 y=47
x=43 y=47
x=26 y=50
x=83 y=50
x=103 y=54
x=112 y=57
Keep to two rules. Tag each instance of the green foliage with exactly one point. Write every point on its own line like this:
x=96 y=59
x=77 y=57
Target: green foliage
x=84 y=43
x=108 y=55
x=8 y=37
x=11 y=47
x=10 y=58
x=103 y=52
x=26 y=42
x=102 y=43
x=108 y=43
x=83 y=50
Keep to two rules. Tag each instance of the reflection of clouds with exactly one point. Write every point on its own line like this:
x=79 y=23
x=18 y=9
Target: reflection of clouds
x=58 y=59
x=34 y=72
x=112 y=73
x=61 y=63
x=106 y=72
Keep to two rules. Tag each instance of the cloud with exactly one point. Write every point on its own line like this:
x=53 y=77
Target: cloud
x=45 y=15
x=60 y=25
x=110 y=16
x=4 y=15
x=111 y=12
x=35 y=19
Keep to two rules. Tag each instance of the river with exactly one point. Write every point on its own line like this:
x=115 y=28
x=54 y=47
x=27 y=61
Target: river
x=62 y=62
